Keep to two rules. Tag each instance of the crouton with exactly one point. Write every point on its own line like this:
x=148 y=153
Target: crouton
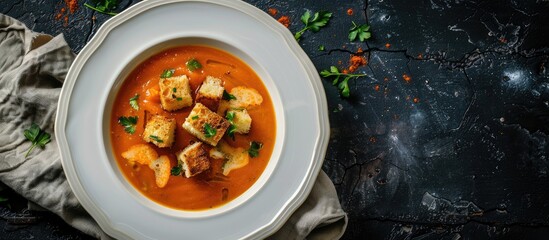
x=205 y=124
x=246 y=98
x=241 y=120
x=210 y=92
x=160 y=131
x=175 y=93
x=194 y=159
x=235 y=157
x=161 y=167
x=140 y=153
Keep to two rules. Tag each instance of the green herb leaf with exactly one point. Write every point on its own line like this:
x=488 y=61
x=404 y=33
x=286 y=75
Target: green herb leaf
x=156 y=138
x=253 y=151
x=176 y=170
x=321 y=48
x=103 y=6
x=209 y=131
x=320 y=19
x=227 y=96
x=174 y=89
x=167 y=73
x=230 y=116
x=133 y=102
x=232 y=128
x=128 y=123
x=37 y=136
x=2 y=199
x=194 y=117
x=360 y=31
x=193 y=64
x=179 y=99
x=343 y=86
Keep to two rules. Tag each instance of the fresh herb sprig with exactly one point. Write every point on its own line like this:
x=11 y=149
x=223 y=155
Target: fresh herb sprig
x=343 y=85
x=193 y=64
x=104 y=6
x=255 y=146
x=319 y=20
x=209 y=131
x=176 y=170
x=128 y=123
x=168 y=73
x=227 y=96
x=133 y=102
x=156 y=138
x=360 y=31
x=37 y=136
x=232 y=129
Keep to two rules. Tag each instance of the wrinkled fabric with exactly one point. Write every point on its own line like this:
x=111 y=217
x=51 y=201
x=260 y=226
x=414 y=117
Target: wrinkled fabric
x=32 y=69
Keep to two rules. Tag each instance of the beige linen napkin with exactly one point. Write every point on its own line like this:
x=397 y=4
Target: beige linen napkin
x=32 y=69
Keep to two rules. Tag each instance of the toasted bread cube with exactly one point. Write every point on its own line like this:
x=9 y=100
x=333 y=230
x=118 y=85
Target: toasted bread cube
x=205 y=124
x=194 y=159
x=210 y=92
x=160 y=131
x=161 y=167
x=140 y=153
x=235 y=157
x=241 y=120
x=175 y=93
x=246 y=98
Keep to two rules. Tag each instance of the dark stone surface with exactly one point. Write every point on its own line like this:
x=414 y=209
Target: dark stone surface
x=459 y=151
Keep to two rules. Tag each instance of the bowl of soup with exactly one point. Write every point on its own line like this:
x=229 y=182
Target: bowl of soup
x=192 y=119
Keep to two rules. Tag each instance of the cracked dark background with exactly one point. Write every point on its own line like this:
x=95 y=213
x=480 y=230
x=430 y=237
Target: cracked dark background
x=458 y=152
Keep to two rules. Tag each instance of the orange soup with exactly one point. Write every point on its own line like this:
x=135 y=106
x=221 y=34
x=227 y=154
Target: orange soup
x=139 y=99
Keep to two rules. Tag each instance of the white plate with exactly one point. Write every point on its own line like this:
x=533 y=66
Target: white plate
x=82 y=124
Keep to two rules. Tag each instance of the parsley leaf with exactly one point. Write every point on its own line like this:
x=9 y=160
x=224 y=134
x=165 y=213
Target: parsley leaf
x=176 y=170
x=156 y=138
x=209 y=131
x=179 y=99
x=194 y=117
x=253 y=151
x=321 y=48
x=37 y=136
x=227 y=96
x=232 y=128
x=343 y=86
x=167 y=73
x=128 y=123
x=193 y=64
x=320 y=19
x=133 y=102
x=360 y=31
x=103 y=6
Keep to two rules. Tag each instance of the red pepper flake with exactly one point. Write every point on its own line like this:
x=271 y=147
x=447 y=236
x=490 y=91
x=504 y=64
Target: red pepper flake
x=339 y=62
x=72 y=5
x=406 y=77
x=416 y=100
x=387 y=45
x=407 y=98
x=350 y=11
x=284 y=20
x=386 y=79
x=272 y=11
x=345 y=71
x=420 y=56
x=502 y=40
x=356 y=62
x=376 y=87
x=373 y=139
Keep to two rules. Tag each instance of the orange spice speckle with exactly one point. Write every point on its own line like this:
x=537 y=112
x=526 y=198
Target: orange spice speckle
x=284 y=20
x=386 y=79
x=350 y=11
x=376 y=87
x=420 y=56
x=406 y=77
x=345 y=71
x=339 y=62
x=272 y=11
x=356 y=62
x=416 y=100
x=387 y=45
x=373 y=139
x=72 y=5
x=66 y=21
x=407 y=98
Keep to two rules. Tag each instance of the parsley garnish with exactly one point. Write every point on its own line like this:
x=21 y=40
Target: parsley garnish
x=37 y=136
x=253 y=151
x=179 y=99
x=321 y=48
x=227 y=96
x=194 y=117
x=320 y=19
x=156 y=138
x=128 y=123
x=193 y=64
x=360 y=31
x=209 y=131
x=176 y=170
x=232 y=129
x=133 y=102
x=167 y=73
x=103 y=6
x=343 y=86
x=174 y=89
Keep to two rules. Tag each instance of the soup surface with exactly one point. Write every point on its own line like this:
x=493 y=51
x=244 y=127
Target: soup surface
x=210 y=188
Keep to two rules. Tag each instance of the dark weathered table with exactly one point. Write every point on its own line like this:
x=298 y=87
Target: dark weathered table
x=445 y=138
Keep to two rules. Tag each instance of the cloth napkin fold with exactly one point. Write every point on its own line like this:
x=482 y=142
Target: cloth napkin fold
x=32 y=69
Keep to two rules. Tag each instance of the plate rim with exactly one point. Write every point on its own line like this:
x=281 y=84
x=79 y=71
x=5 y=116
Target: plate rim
x=320 y=146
